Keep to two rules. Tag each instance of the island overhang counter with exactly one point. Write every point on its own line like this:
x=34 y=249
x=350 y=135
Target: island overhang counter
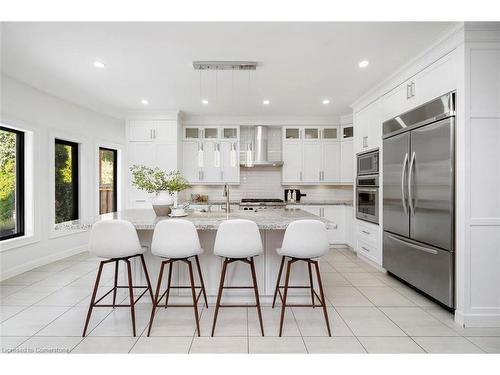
x=272 y=225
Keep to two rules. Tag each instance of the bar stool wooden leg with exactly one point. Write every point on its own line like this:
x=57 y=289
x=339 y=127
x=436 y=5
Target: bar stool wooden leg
x=143 y=262
x=322 y=295
x=171 y=264
x=156 y=297
x=193 y=292
x=278 y=281
x=311 y=283
x=201 y=280
x=283 y=306
x=219 y=294
x=131 y=293
x=116 y=283
x=92 y=301
x=256 y=292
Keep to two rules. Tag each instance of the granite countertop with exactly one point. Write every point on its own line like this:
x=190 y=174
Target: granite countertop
x=328 y=202
x=145 y=219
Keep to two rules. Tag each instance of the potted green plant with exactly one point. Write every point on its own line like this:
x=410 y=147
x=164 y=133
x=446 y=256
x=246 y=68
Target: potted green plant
x=166 y=186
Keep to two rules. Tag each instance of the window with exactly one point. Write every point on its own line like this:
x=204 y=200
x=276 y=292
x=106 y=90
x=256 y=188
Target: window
x=11 y=183
x=108 y=161
x=66 y=181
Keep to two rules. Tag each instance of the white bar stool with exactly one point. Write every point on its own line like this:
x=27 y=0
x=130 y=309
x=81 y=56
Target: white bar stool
x=305 y=240
x=177 y=240
x=116 y=240
x=238 y=240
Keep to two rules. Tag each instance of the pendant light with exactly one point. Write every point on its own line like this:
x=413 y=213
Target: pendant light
x=200 y=155
x=249 y=156
x=217 y=155
x=232 y=155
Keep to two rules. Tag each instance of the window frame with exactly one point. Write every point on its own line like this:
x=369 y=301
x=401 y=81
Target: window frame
x=75 y=180
x=115 y=177
x=20 y=191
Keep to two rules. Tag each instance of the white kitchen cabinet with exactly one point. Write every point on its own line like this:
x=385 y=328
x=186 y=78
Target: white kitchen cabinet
x=368 y=241
x=152 y=143
x=336 y=214
x=215 y=166
x=230 y=162
x=141 y=131
x=368 y=128
x=347 y=162
x=312 y=161
x=190 y=167
x=292 y=166
x=292 y=133
x=330 y=162
x=211 y=154
x=349 y=225
x=437 y=79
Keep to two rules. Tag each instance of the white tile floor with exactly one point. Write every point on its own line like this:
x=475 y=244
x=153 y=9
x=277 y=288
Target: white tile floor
x=44 y=311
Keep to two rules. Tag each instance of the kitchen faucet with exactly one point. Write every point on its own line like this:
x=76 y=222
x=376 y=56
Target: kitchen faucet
x=226 y=194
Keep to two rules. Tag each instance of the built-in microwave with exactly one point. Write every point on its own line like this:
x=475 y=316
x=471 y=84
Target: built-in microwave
x=367 y=163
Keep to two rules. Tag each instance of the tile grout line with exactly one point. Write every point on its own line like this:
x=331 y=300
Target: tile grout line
x=397 y=325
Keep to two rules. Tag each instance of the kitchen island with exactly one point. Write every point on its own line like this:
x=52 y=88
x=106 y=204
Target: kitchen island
x=272 y=225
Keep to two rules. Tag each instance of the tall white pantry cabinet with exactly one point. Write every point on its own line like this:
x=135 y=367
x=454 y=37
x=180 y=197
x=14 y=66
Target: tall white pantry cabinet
x=153 y=141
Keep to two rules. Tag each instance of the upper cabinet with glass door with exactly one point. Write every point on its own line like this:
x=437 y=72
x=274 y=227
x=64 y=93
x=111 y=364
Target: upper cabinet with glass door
x=292 y=133
x=211 y=132
x=330 y=133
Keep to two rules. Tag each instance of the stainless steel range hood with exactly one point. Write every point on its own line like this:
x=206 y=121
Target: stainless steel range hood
x=257 y=152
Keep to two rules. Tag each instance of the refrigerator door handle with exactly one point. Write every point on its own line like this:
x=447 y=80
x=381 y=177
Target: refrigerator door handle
x=403 y=175
x=417 y=247
x=410 y=184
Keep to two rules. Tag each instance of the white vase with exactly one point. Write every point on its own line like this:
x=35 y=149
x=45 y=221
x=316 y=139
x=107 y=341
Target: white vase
x=162 y=202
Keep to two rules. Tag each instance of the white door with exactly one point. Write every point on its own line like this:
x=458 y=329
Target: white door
x=346 y=162
x=140 y=153
x=230 y=162
x=141 y=131
x=166 y=156
x=311 y=161
x=211 y=173
x=331 y=161
x=190 y=161
x=292 y=162
x=336 y=215
x=165 y=131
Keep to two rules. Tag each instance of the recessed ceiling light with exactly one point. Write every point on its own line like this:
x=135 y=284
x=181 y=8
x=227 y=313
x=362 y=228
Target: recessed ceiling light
x=326 y=101
x=266 y=102
x=204 y=101
x=145 y=101
x=99 y=64
x=363 y=64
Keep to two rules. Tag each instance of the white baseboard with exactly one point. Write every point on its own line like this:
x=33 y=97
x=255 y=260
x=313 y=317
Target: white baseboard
x=41 y=262
x=372 y=263
x=477 y=320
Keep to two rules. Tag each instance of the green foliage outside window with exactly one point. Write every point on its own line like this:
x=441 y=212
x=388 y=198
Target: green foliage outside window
x=7 y=181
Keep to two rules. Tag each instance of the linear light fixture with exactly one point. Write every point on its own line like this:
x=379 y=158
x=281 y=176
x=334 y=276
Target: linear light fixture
x=225 y=65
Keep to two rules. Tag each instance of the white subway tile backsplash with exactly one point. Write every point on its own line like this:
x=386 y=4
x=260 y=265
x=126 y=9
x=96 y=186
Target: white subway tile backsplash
x=266 y=183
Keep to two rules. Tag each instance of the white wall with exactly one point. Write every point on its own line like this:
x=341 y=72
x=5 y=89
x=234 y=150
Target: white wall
x=47 y=117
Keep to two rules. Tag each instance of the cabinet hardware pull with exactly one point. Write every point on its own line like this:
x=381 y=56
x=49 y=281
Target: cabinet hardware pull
x=300 y=178
x=408 y=91
x=365 y=232
x=140 y=200
x=365 y=249
x=412 y=90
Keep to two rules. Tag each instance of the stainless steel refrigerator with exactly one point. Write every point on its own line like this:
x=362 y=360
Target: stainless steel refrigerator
x=419 y=197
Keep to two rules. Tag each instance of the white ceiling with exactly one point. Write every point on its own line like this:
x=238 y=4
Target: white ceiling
x=299 y=63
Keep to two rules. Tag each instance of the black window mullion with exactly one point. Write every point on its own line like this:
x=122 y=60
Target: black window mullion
x=74 y=199
x=19 y=183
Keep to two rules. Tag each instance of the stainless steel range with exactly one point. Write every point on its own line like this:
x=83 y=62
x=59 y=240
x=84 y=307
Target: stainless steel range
x=253 y=204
